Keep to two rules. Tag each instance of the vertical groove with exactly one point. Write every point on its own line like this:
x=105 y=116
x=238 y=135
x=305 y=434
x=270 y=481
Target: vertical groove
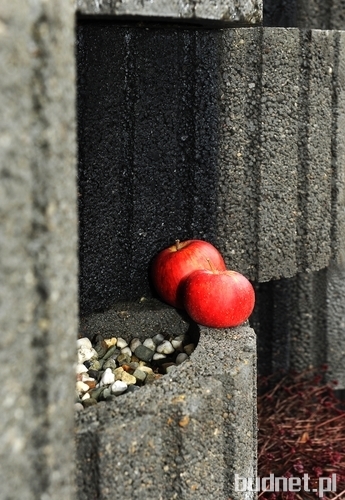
x=303 y=158
x=338 y=153
x=40 y=232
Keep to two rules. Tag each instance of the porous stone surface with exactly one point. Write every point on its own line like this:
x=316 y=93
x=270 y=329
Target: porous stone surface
x=185 y=436
x=300 y=321
x=233 y=136
x=335 y=307
x=307 y=14
x=142 y=319
x=291 y=323
x=275 y=188
x=321 y=14
x=38 y=265
x=281 y=13
x=200 y=11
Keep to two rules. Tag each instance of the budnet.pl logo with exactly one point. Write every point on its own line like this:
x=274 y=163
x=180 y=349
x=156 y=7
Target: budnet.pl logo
x=285 y=484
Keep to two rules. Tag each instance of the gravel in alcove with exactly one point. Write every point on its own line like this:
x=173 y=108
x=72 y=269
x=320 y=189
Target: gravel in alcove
x=109 y=366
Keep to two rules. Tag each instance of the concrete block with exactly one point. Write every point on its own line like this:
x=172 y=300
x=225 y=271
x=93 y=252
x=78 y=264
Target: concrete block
x=38 y=268
x=202 y=11
x=316 y=152
x=239 y=148
x=300 y=323
x=184 y=436
x=338 y=153
x=335 y=307
x=233 y=136
x=276 y=148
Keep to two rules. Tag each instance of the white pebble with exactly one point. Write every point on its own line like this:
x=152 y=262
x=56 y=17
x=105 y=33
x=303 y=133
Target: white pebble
x=85 y=378
x=108 y=377
x=81 y=368
x=150 y=344
x=82 y=387
x=177 y=343
x=158 y=356
x=121 y=343
x=180 y=358
x=126 y=350
x=147 y=369
x=118 y=387
x=165 y=348
x=86 y=396
x=84 y=341
x=134 y=344
x=188 y=349
x=85 y=353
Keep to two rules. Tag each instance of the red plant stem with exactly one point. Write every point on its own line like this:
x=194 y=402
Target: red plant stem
x=330 y=420
x=338 y=496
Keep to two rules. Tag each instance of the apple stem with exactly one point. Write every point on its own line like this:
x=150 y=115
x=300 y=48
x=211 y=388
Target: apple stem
x=177 y=244
x=211 y=266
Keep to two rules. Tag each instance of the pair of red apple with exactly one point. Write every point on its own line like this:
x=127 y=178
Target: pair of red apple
x=192 y=275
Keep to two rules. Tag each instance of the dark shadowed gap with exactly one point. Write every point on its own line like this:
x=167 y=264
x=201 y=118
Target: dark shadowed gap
x=147 y=135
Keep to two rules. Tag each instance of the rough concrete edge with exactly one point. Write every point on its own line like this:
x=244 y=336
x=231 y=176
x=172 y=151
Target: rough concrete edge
x=231 y=12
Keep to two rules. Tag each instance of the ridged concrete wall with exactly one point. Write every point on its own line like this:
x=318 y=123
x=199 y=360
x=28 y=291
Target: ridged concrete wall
x=38 y=237
x=234 y=136
x=281 y=189
x=300 y=322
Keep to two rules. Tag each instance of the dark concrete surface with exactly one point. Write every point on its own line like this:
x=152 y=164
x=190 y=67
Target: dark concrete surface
x=224 y=135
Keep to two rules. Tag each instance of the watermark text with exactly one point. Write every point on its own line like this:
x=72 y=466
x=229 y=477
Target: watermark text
x=294 y=484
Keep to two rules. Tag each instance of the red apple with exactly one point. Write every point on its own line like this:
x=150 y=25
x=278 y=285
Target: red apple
x=173 y=264
x=218 y=299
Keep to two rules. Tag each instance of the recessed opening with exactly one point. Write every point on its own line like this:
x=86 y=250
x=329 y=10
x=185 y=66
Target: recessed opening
x=147 y=172
x=147 y=135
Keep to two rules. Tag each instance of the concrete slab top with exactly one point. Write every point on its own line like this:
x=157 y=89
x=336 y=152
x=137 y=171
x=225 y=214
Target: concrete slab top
x=226 y=12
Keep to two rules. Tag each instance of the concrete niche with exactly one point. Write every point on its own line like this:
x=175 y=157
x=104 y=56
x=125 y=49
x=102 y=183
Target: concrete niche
x=148 y=143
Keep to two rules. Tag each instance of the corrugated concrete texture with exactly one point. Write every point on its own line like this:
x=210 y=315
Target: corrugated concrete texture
x=183 y=437
x=277 y=210
x=38 y=265
x=233 y=136
x=321 y=14
x=300 y=323
x=245 y=12
x=305 y=14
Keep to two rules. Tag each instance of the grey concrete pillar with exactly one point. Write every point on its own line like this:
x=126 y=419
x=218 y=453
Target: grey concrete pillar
x=38 y=235
x=317 y=334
